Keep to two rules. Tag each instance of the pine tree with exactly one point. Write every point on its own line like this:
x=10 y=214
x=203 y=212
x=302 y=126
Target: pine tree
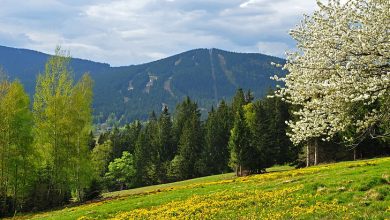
x=189 y=138
x=262 y=136
x=165 y=146
x=215 y=155
x=239 y=143
x=238 y=101
x=142 y=161
x=190 y=147
x=130 y=136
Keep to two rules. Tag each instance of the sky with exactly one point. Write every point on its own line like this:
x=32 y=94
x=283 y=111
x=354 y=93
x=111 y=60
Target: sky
x=125 y=32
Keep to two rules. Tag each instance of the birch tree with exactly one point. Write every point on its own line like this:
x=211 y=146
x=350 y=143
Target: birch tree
x=62 y=115
x=16 y=152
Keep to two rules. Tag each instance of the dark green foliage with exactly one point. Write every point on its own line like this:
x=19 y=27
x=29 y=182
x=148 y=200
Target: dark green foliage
x=94 y=190
x=123 y=91
x=145 y=169
x=238 y=101
x=239 y=143
x=91 y=141
x=116 y=140
x=45 y=193
x=215 y=155
x=165 y=145
x=190 y=139
x=103 y=138
x=130 y=136
x=165 y=136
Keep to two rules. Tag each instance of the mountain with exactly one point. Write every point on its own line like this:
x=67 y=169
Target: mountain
x=206 y=75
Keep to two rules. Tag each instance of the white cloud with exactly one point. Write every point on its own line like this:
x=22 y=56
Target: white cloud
x=273 y=48
x=123 y=32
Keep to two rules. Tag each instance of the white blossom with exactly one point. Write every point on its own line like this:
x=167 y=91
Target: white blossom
x=342 y=60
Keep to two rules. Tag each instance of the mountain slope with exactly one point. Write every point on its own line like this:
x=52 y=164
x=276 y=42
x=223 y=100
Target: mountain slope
x=347 y=190
x=206 y=75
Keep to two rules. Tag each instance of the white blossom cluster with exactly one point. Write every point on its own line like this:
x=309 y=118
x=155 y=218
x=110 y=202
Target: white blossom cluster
x=342 y=60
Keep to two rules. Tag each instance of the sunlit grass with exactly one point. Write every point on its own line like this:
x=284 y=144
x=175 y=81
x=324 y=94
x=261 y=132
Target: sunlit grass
x=347 y=190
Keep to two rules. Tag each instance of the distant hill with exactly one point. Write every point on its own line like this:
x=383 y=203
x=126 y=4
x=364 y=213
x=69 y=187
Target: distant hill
x=206 y=75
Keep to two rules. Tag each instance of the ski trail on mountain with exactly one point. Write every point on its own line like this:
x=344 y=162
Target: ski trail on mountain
x=213 y=76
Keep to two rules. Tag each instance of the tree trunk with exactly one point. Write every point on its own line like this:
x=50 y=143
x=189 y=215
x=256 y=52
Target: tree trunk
x=16 y=189
x=354 y=154
x=315 y=151
x=307 y=154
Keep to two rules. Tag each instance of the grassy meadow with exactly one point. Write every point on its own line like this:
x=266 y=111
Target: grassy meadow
x=346 y=190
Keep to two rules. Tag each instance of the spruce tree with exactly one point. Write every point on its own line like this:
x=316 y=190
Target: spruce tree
x=190 y=147
x=239 y=143
x=215 y=155
x=166 y=149
x=188 y=136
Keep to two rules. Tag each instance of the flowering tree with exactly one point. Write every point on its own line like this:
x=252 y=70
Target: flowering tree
x=339 y=75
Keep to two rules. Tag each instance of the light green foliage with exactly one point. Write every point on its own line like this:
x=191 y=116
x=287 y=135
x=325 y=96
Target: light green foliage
x=63 y=117
x=16 y=153
x=122 y=171
x=250 y=114
x=101 y=157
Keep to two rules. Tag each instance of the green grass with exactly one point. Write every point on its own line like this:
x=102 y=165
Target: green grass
x=347 y=190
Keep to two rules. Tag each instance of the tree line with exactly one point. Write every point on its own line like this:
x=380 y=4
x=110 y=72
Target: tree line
x=181 y=146
x=245 y=136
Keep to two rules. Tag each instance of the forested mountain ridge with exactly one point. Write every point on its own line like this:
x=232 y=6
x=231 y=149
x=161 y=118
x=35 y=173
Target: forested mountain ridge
x=206 y=75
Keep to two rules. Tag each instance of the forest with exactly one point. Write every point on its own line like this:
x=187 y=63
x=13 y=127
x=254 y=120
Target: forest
x=50 y=155
x=333 y=105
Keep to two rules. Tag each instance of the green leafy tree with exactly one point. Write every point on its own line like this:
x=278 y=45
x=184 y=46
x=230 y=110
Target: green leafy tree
x=80 y=114
x=62 y=115
x=101 y=157
x=122 y=171
x=16 y=152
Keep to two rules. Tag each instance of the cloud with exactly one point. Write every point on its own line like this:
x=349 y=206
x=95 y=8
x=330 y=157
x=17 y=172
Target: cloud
x=123 y=32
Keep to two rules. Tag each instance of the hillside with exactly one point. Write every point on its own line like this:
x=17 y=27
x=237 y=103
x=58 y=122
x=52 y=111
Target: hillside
x=347 y=190
x=206 y=75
